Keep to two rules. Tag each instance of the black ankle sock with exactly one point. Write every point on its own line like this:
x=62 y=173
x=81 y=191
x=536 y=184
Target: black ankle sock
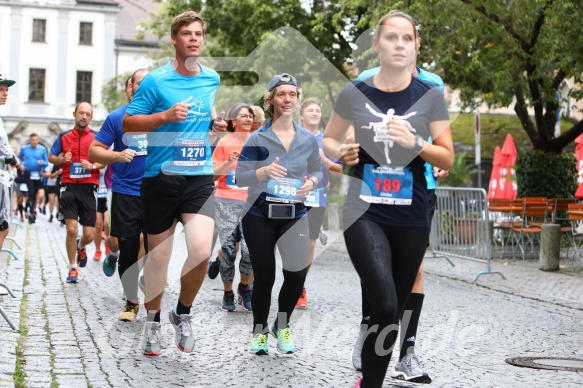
x=243 y=286
x=182 y=309
x=409 y=334
x=153 y=316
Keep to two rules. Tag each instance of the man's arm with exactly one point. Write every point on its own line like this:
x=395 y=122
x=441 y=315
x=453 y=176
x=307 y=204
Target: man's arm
x=45 y=157
x=54 y=159
x=100 y=153
x=148 y=122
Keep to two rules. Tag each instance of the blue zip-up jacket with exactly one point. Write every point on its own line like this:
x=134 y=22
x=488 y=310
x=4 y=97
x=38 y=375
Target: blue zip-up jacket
x=261 y=149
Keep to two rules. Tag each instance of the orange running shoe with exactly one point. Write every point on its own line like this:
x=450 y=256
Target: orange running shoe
x=97 y=256
x=303 y=300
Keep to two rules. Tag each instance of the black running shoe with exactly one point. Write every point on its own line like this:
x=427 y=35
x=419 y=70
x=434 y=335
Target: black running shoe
x=214 y=266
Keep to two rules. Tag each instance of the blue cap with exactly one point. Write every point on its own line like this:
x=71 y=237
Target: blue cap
x=282 y=79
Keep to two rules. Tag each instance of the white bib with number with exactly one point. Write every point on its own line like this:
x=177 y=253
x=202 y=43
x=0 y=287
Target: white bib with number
x=77 y=171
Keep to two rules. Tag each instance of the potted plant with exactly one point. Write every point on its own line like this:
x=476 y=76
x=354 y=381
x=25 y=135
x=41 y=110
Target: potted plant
x=460 y=173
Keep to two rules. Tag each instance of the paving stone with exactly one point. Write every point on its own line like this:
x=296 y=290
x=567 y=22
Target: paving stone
x=467 y=329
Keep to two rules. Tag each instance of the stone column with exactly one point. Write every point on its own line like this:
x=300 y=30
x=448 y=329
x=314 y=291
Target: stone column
x=550 y=247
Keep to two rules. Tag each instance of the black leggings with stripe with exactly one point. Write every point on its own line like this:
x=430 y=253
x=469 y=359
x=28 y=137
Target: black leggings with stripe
x=387 y=259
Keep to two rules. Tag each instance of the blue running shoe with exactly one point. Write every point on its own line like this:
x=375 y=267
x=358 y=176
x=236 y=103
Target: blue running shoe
x=244 y=297
x=109 y=265
x=73 y=276
x=285 y=342
x=259 y=344
x=81 y=256
x=228 y=301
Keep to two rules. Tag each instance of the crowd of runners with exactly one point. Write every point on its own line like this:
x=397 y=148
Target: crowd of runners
x=254 y=185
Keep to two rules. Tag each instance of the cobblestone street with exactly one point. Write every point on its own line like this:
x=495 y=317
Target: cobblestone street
x=70 y=336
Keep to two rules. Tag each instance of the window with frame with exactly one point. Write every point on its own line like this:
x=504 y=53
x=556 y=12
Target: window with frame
x=36 y=85
x=39 y=30
x=84 y=80
x=86 y=33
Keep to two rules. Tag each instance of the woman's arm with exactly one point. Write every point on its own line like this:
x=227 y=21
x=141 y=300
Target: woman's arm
x=440 y=153
x=335 y=132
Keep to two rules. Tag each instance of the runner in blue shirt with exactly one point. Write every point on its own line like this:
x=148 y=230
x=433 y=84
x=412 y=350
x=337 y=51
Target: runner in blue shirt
x=34 y=159
x=317 y=200
x=174 y=105
x=126 y=225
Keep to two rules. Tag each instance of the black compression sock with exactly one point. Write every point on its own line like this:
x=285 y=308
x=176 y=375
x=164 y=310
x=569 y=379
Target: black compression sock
x=409 y=333
x=153 y=316
x=182 y=309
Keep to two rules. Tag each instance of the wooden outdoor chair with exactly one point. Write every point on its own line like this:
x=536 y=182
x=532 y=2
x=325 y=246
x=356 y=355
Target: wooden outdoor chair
x=538 y=223
x=533 y=215
x=560 y=207
x=503 y=220
x=576 y=222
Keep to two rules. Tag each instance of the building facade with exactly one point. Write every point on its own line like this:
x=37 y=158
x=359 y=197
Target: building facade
x=61 y=52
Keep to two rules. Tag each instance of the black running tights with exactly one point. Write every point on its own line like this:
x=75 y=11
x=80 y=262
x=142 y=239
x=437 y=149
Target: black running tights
x=292 y=239
x=128 y=268
x=387 y=260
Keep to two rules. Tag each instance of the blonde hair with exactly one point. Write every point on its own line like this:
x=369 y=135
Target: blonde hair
x=258 y=115
x=310 y=101
x=268 y=97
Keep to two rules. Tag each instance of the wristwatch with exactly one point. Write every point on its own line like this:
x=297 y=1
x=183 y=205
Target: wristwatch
x=419 y=144
x=93 y=167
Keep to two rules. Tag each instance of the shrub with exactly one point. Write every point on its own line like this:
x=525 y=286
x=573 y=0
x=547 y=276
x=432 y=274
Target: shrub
x=541 y=174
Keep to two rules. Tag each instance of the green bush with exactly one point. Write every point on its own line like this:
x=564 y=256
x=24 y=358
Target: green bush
x=541 y=174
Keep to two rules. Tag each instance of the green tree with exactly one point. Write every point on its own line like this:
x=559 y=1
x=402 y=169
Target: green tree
x=500 y=52
x=235 y=28
x=113 y=92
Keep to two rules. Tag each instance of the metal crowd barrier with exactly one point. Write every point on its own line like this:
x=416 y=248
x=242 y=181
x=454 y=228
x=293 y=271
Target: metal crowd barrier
x=461 y=226
x=3 y=285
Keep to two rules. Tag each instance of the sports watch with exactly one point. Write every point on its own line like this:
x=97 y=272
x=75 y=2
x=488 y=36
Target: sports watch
x=419 y=144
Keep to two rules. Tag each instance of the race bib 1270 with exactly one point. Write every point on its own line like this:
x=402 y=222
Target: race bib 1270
x=189 y=152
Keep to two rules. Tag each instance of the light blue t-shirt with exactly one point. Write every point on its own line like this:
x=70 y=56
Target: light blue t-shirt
x=31 y=155
x=181 y=147
x=426 y=76
x=127 y=177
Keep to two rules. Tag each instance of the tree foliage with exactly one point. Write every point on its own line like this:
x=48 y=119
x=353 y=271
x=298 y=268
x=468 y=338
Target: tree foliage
x=498 y=52
x=113 y=92
x=508 y=52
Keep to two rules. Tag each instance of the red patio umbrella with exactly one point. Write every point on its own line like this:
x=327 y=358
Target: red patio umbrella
x=493 y=188
x=579 y=156
x=508 y=185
